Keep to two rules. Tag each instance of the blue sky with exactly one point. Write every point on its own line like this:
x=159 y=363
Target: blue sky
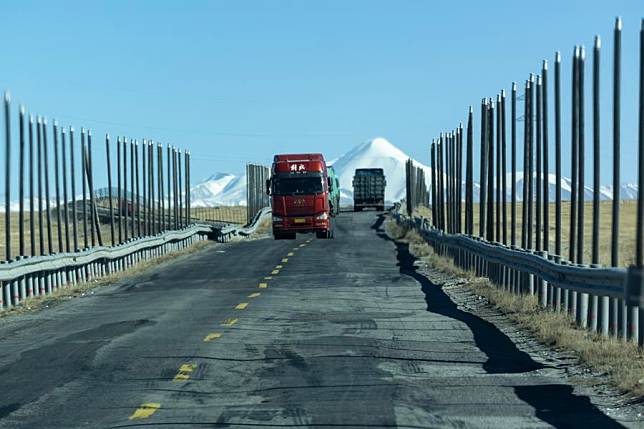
x=238 y=81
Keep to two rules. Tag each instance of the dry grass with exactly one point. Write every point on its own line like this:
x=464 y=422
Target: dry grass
x=621 y=362
x=81 y=289
x=231 y=214
x=627 y=230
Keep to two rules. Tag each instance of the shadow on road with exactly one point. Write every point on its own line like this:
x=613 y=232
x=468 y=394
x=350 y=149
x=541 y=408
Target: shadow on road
x=553 y=403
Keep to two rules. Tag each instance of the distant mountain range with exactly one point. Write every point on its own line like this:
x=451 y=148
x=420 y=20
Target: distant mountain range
x=228 y=189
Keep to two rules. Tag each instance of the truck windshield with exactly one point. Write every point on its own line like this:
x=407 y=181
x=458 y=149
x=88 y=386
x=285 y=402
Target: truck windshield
x=297 y=186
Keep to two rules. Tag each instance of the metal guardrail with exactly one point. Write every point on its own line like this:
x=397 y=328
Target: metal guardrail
x=596 y=297
x=27 y=277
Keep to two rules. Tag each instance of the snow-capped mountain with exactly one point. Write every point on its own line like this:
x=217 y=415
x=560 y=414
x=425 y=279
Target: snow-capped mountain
x=375 y=153
x=221 y=189
x=228 y=189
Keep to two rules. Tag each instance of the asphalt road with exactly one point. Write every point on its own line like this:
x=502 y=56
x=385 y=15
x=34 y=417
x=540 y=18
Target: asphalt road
x=265 y=333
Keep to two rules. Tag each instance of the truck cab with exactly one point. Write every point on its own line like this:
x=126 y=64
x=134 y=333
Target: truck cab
x=300 y=188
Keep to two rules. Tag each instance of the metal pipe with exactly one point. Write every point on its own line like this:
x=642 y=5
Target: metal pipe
x=119 y=197
x=483 y=169
x=530 y=180
x=72 y=177
x=617 y=76
x=21 y=183
x=558 y=154
x=41 y=231
x=32 y=229
x=65 y=195
x=490 y=172
x=639 y=252
x=504 y=171
x=50 y=247
x=469 y=211
x=538 y=164
x=109 y=186
x=59 y=226
x=7 y=177
x=596 y=152
x=84 y=188
x=574 y=158
x=526 y=152
x=126 y=208
x=581 y=157
x=513 y=184
x=137 y=189
x=546 y=168
x=498 y=171
x=168 y=167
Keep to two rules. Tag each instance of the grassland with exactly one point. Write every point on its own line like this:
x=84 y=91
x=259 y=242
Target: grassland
x=234 y=214
x=627 y=229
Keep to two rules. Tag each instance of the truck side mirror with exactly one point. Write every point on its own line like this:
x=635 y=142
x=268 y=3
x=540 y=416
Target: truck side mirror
x=268 y=186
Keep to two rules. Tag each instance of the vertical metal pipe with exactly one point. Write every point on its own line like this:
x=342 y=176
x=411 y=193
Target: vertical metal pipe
x=144 y=187
x=490 y=172
x=596 y=152
x=546 y=160
x=119 y=189
x=84 y=188
x=581 y=156
x=72 y=177
x=538 y=165
x=617 y=79
x=558 y=154
x=109 y=186
x=132 y=187
x=168 y=169
x=441 y=187
x=529 y=124
x=498 y=170
x=639 y=252
x=32 y=229
x=41 y=231
x=21 y=184
x=526 y=152
x=59 y=225
x=7 y=177
x=574 y=159
x=432 y=186
x=181 y=220
x=259 y=187
x=513 y=184
x=469 y=210
x=50 y=247
x=175 y=202
x=459 y=182
x=503 y=168
x=63 y=145
x=483 y=168
x=137 y=189
x=96 y=231
x=126 y=206
x=160 y=186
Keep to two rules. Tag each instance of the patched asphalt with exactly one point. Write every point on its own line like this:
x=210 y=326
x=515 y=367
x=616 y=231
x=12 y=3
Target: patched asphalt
x=345 y=332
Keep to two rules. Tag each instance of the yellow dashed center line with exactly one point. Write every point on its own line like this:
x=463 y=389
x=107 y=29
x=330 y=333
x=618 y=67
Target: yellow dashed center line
x=213 y=336
x=303 y=245
x=145 y=410
x=279 y=267
x=263 y=285
x=275 y=272
x=284 y=260
x=184 y=372
x=229 y=322
x=290 y=254
x=268 y=278
x=241 y=306
x=254 y=295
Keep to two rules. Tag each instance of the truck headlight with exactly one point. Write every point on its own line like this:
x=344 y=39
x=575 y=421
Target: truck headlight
x=323 y=216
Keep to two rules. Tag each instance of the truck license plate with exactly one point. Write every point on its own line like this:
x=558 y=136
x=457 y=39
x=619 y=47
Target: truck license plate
x=299 y=220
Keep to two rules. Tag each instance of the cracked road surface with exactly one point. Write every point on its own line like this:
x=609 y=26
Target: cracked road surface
x=263 y=333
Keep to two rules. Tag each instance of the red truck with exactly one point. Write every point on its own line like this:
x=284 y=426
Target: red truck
x=299 y=188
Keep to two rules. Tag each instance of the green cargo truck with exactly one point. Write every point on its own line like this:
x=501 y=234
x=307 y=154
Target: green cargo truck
x=334 y=194
x=369 y=189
